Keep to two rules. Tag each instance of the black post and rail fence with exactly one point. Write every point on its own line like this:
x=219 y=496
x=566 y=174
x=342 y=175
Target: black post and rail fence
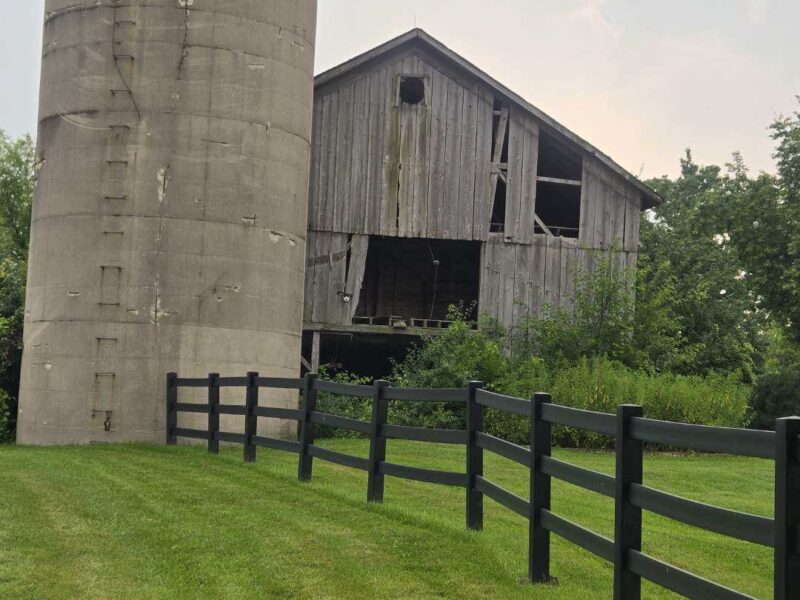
x=629 y=428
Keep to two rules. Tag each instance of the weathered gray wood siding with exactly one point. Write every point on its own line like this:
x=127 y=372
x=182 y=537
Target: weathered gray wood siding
x=610 y=209
x=523 y=156
x=518 y=280
x=334 y=266
x=382 y=167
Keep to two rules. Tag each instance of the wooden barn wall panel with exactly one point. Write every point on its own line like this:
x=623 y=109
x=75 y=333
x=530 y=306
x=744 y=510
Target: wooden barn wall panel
x=382 y=168
x=483 y=202
x=335 y=264
x=344 y=153
x=436 y=184
x=452 y=159
x=359 y=246
x=518 y=280
x=523 y=158
x=414 y=149
x=380 y=91
x=633 y=210
x=316 y=158
x=359 y=173
x=607 y=206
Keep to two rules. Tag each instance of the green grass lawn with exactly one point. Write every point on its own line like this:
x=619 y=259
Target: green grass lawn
x=156 y=522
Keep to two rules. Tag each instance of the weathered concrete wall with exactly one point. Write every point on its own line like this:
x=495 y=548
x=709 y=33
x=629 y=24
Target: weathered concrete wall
x=170 y=212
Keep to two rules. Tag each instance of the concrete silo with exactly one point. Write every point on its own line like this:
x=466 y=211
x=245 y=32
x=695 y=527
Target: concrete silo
x=169 y=216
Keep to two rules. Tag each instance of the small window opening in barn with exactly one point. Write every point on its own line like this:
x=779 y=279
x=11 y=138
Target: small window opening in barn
x=557 y=161
x=412 y=89
x=558 y=188
x=559 y=208
x=411 y=282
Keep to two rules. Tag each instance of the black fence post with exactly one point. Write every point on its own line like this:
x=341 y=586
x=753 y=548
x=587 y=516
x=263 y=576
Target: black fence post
x=474 y=458
x=172 y=411
x=306 y=461
x=377 y=442
x=627 y=517
x=538 y=536
x=787 y=509
x=213 y=413
x=250 y=419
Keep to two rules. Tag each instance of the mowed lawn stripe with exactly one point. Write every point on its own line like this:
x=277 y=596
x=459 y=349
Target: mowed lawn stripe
x=139 y=521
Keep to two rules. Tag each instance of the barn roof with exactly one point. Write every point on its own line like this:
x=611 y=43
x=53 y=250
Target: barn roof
x=420 y=37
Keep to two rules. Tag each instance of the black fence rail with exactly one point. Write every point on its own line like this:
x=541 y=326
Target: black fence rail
x=629 y=428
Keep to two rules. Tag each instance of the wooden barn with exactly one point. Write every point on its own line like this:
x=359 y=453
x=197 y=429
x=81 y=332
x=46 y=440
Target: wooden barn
x=432 y=184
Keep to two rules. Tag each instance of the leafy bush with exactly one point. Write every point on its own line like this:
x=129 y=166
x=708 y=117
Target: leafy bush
x=6 y=408
x=599 y=384
x=346 y=406
x=777 y=394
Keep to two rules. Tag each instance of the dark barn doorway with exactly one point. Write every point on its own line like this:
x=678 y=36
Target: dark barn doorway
x=418 y=279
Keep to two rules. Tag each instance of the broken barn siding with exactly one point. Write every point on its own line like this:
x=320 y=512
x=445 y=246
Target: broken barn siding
x=523 y=156
x=334 y=267
x=383 y=167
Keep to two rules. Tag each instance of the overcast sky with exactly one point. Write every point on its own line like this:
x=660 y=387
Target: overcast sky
x=640 y=79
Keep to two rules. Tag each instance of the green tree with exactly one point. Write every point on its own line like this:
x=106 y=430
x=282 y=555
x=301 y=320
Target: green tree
x=764 y=226
x=16 y=190
x=711 y=309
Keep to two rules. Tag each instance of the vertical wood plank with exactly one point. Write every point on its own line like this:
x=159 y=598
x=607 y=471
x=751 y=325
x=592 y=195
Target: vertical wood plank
x=436 y=180
x=474 y=512
x=538 y=272
x=379 y=93
x=530 y=158
x=359 y=248
x=330 y=116
x=448 y=210
x=466 y=179
x=305 y=463
x=514 y=184
x=344 y=155
x=540 y=492
x=391 y=149
x=359 y=164
x=337 y=309
x=250 y=419
x=618 y=209
x=568 y=265
x=509 y=274
x=322 y=276
x=422 y=167
x=310 y=275
x=482 y=203
x=552 y=281
x=315 y=347
x=172 y=413
x=588 y=205
x=787 y=509
x=213 y=413
x=628 y=518
x=521 y=281
x=316 y=156
x=377 y=442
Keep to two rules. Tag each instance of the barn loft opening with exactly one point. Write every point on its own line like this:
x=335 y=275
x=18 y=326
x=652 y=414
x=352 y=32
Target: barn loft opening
x=411 y=282
x=557 y=161
x=558 y=188
x=412 y=90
